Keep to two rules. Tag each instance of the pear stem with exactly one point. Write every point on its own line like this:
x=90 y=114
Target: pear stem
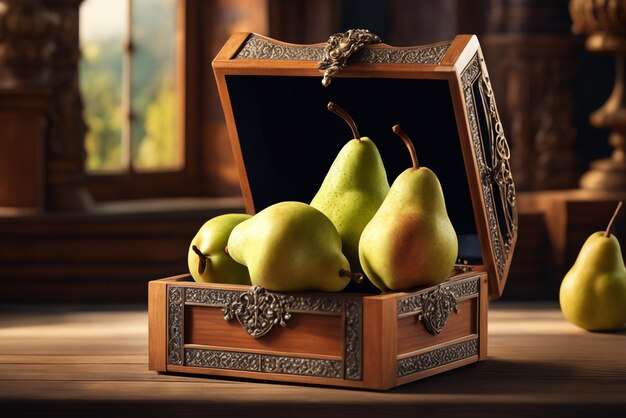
x=201 y=259
x=607 y=233
x=337 y=110
x=409 y=144
x=356 y=277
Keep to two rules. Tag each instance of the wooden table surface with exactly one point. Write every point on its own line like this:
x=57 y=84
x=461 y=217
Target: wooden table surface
x=78 y=361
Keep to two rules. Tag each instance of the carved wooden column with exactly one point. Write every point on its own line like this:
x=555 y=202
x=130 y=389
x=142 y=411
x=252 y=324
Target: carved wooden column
x=26 y=43
x=39 y=54
x=605 y=21
x=66 y=148
x=531 y=56
x=26 y=49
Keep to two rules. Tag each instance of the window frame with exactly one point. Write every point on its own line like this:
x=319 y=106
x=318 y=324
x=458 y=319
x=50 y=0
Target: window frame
x=184 y=181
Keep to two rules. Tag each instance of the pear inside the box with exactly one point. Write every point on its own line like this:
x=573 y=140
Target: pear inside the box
x=320 y=184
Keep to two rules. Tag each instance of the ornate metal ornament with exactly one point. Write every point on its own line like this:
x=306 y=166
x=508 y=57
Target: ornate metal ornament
x=284 y=305
x=340 y=47
x=175 y=325
x=500 y=172
x=462 y=289
x=496 y=171
x=209 y=297
x=415 y=55
x=437 y=358
x=257 y=310
x=436 y=307
x=260 y=48
x=264 y=363
x=353 y=339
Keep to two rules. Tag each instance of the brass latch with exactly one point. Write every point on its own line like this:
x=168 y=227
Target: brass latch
x=436 y=307
x=257 y=310
x=340 y=47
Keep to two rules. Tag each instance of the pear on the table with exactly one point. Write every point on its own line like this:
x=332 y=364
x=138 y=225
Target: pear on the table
x=206 y=258
x=410 y=241
x=593 y=292
x=291 y=246
x=353 y=189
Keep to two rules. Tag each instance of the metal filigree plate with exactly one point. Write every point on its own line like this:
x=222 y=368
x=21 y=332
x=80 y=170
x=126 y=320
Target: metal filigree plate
x=353 y=339
x=462 y=289
x=175 y=325
x=257 y=310
x=209 y=297
x=436 y=358
x=497 y=171
x=265 y=363
x=500 y=167
x=260 y=48
x=436 y=307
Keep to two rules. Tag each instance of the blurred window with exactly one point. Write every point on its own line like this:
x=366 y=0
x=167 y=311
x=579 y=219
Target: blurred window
x=128 y=78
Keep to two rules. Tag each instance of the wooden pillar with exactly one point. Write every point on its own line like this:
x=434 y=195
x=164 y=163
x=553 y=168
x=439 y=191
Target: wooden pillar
x=41 y=108
x=605 y=21
x=66 y=148
x=23 y=126
x=26 y=48
x=532 y=57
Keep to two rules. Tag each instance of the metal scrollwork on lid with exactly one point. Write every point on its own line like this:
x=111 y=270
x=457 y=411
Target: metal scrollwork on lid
x=500 y=169
x=436 y=307
x=342 y=46
x=257 y=310
x=259 y=48
x=492 y=157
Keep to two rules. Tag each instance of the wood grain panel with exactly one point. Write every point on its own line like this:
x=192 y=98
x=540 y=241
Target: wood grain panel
x=157 y=324
x=379 y=341
x=413 y=336
x=21 y=159
x=483 y=323
x=304 y=334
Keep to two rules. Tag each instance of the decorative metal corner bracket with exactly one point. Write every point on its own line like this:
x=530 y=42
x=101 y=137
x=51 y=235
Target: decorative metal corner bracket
x=436 y=307
x=257 y=310
x=342 y=46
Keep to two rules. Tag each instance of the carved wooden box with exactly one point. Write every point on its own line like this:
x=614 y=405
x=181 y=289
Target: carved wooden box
x=284 y=140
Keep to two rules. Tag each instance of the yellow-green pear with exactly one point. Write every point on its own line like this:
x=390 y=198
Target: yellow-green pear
x=410 y=241
x=207 y=260
x=291 y=246
x=353 y=189
x=593 y=292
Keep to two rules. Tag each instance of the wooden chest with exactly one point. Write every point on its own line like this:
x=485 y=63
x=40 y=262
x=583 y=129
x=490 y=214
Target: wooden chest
x=284 y=141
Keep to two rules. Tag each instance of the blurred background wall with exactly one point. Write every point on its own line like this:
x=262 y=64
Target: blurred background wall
x=92 y=93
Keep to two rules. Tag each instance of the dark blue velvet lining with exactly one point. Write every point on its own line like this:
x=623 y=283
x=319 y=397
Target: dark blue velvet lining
x=289 y=139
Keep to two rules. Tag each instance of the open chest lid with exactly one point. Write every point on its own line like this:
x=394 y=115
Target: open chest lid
x=284 y=139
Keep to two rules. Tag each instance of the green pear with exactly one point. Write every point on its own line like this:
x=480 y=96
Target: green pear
x=593 y=292
x=353 y=189
x=410 y=241
x=207 y=260
x=291 y=246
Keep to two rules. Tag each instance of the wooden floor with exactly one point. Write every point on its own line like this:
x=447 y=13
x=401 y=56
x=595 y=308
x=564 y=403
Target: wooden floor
x=80 y=362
